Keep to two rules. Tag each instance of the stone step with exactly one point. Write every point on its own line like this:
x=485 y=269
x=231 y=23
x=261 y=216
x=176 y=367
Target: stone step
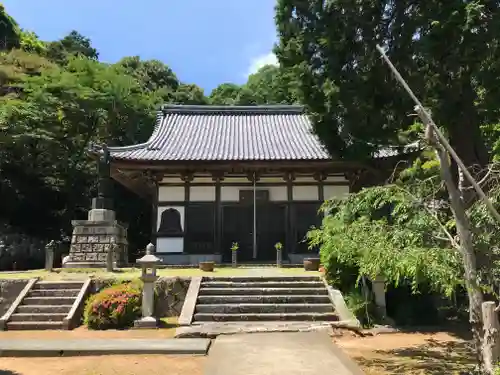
x=18 y=326
x=247 y=279
x=263 y=299
x=263 y=284
x=57 y=285
x=54 y=293
x=262 y=291
x=45 y=309
x=48 y=301
x=250 y=308
x=296 y=317
x=37 y=317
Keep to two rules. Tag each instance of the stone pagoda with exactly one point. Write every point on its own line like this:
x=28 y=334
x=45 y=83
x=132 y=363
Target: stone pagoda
x=101 y=233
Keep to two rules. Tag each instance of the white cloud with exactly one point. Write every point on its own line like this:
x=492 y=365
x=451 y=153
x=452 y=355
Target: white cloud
x=260 y=61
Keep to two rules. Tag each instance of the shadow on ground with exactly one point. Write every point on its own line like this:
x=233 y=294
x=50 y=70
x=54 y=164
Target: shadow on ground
x=432 y=358
x=8 y=372
x=458 y=330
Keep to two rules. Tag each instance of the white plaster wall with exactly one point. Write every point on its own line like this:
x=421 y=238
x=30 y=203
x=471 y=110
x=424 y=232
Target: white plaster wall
x=172 y=180
x=277 y=193
x=163 y=208
x=203 y=180
x=171 y=193
x=202 y=193
x=305 y=193
x=335 y=191
x=299 y=178
x=169 y=245
x=336 y=178
x=232 y=193
x=229 y=193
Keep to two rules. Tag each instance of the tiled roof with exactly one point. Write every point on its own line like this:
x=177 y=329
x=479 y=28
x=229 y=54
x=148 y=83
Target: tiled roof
x=228 y=133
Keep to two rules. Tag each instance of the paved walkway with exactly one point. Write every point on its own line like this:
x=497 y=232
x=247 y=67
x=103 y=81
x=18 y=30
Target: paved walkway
x=51 y=348
x=304 y=353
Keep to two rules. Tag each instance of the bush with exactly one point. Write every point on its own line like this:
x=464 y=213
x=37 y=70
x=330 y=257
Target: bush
x=114 y=307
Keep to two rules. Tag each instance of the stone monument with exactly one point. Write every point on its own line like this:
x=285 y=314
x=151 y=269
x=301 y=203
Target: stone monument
x=93 y=238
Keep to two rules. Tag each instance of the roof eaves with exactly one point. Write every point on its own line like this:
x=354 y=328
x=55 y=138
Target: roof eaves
x=140 y=146
x=209 y=109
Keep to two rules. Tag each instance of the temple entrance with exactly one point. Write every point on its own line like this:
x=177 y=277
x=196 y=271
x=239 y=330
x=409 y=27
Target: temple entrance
x=238 y=225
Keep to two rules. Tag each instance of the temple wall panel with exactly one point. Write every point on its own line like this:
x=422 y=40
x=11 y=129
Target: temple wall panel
x=171 y=193
x=230 y=193
x=277 y=193
x=202 y=193
x=203 y=180
x=180 y=209
x=338 y=178
x=335 y=191
x=305 y=193
x=171 y=180
x=170 y=244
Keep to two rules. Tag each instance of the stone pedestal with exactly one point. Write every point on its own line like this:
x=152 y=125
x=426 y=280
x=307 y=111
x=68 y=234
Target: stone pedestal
x=148 y=301
x=378 y=289
x=93 y=238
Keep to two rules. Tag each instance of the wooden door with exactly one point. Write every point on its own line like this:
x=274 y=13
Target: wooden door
x=271 y=229
x=237 y=226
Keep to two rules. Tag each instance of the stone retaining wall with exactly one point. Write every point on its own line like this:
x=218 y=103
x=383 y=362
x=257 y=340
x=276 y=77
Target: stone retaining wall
x=170 y=294
x=9 y=290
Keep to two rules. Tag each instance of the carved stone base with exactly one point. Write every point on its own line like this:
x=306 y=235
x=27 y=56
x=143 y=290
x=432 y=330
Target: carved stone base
x=92 y=239
x=146 y=323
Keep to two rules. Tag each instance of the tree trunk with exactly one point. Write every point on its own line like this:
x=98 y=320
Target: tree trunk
x=466 y=248
x=466 y=139
x=491 y=343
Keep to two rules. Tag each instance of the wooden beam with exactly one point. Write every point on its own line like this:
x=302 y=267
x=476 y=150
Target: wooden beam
x=136 y=183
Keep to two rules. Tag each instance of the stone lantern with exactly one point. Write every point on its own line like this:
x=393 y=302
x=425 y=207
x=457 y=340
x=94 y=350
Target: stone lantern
x=149 y=263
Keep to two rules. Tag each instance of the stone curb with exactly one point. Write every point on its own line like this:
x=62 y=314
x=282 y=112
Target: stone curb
x=59 y=348
x=189 y=306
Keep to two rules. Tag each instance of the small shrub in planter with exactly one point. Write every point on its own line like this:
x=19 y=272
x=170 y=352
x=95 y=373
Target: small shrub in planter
x=114 y=307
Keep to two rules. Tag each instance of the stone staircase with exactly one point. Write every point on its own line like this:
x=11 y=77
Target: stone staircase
x=45 y=306
x=243 y=299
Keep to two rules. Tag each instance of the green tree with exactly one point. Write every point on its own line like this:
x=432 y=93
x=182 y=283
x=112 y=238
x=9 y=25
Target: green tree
x=225 y=94
x=9 y=31
x=151 y=74
x=448 y=51
x=73 y=44
x=269 y=85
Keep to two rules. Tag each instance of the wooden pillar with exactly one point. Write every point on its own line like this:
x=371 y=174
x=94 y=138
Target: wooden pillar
x=320 y=177
x=290 y=230
x=217 y=178
x=187 y=178
x=154 y=179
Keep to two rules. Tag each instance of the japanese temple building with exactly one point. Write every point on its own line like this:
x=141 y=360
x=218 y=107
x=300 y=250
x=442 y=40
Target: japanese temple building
x=216 y=175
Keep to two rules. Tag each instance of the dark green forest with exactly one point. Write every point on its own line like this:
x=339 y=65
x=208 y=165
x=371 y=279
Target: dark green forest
x=56 y=97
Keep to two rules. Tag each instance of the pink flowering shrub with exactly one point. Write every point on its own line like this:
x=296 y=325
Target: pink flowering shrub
x=114 y=307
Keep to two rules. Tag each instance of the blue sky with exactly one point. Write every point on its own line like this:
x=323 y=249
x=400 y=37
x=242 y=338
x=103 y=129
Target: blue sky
x=206 y=42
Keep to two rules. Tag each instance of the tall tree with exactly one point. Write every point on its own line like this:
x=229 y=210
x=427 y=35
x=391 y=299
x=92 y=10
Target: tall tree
x=449 y=52
x=9 y=31
x=269 y=85
x=73 y=44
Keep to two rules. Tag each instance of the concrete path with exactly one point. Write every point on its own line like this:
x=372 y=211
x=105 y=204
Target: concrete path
x=56 y=348
x=304 y=353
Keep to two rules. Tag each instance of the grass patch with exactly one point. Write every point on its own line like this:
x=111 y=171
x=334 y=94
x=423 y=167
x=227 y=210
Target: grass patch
x=133 y=273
